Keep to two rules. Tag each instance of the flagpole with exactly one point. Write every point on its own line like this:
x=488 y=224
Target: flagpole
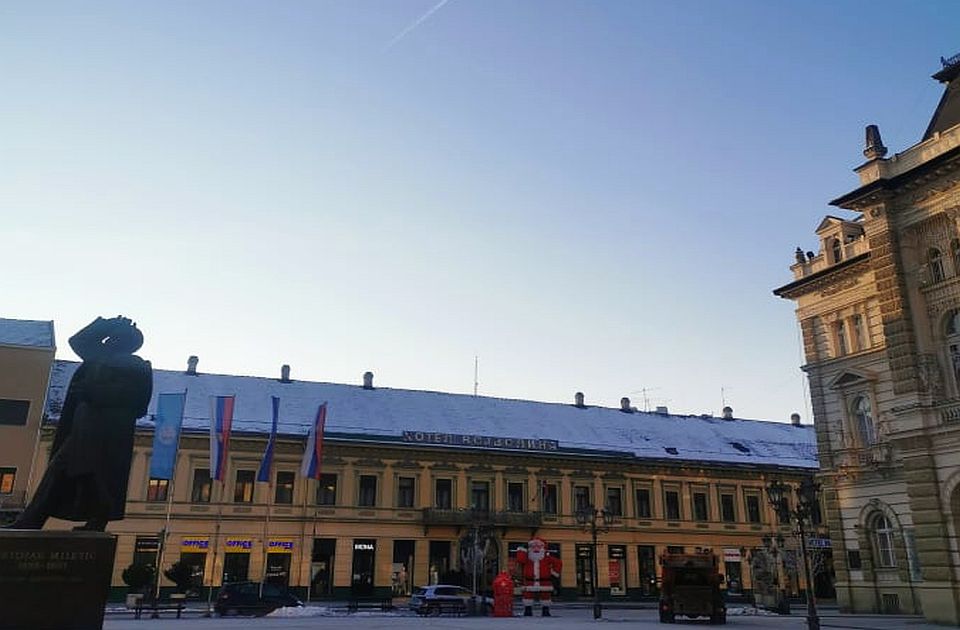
x=266 y=543
x=166 y=525
x=165 y=532
x=216 y=550
x=303 y=538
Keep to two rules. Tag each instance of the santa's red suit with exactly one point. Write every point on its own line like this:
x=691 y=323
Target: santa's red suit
x=539 y=570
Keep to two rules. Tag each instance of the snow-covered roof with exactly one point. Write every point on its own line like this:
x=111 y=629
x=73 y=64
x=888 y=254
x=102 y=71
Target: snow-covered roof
x=26 y=332
x=385 y=414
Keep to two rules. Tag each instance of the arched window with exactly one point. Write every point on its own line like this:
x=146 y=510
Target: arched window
x=955 y=252
x=935 y=263
x=863 y=417
x=883 y=541
x=836 y=248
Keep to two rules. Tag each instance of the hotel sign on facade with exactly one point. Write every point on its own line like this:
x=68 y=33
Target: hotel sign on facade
x=482 y=441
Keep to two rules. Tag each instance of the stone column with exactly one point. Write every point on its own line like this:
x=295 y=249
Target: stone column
x=890 y=277
x=938 y=592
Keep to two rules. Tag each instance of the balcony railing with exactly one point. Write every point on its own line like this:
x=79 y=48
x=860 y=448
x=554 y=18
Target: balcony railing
x=471 y=516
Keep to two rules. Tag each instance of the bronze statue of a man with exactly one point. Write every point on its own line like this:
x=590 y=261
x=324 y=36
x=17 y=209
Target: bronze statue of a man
x=86 y=479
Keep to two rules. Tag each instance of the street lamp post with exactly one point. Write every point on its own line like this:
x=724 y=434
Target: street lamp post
x=596 y=521
x=778 y=494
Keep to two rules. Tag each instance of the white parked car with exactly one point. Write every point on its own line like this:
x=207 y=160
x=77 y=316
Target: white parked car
x=437 y=599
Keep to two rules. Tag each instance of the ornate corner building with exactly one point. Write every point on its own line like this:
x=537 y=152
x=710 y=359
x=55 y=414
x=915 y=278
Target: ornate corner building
x=879 y=311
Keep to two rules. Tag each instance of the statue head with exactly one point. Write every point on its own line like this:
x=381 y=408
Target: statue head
x=536 y=549
x=124 y=338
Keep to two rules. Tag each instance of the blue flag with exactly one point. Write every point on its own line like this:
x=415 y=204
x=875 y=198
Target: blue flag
x=264 y=473
x=166 y=434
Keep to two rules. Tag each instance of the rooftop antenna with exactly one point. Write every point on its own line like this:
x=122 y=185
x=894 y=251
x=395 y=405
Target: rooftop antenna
x=476 y=374
x=646 y=398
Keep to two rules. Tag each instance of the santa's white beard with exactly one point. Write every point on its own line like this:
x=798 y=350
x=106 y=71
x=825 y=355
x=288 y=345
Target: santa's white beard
x=536 y=556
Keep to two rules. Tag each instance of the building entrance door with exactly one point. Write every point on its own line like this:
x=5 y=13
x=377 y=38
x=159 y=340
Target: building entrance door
x=278 y=569
x=402 y=569
x=439 y=566
x=617 y=569
x=364 y=556
x=647 y=563
x=584 y=570
x=321 y=569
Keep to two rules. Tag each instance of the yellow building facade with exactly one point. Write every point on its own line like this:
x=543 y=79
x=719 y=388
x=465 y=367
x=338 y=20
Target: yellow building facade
x=411 y=477
x=879 y=309
x=26 y=356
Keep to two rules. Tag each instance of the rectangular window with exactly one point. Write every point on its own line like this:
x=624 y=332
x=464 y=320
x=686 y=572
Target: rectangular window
x=860 y=333
x=728 y=511
x=753 y=508
x=284 y=491
x=841 y=333
x=549 y=498
x=480 y=495
x=405 y=492
x=674 y=549
x=14 y=412
x=243 y=489
x=615 y=501
x=443 y=494
x=7 y=477
x=581 y=498
x=515 y=502
x=671 y=502
x=368 y=491
x=157 y=489
x=327 y=489
x=643 y=503
x=201 y=486
x=700 y=507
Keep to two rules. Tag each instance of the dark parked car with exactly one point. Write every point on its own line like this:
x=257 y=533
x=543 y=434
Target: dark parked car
x=442 y=598
x=245 y=598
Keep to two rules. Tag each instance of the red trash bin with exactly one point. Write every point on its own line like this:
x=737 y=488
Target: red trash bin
x=503 y=595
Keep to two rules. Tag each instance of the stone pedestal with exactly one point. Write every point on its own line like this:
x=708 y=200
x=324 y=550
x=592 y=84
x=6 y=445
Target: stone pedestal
x=54 y=579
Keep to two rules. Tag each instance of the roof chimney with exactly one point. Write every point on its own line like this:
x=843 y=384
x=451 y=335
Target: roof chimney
x=795 y=419
x=368 y=380
x=578 y=400
x=728 y=413
x=663 y=411
x=625 y=405
x=874 y=149
x=285 y=373
x=192 y=364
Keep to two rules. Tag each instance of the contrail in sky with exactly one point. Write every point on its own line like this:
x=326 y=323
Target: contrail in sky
x=420 y=20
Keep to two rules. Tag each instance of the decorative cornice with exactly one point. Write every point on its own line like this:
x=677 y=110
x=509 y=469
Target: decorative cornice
x=825 y=279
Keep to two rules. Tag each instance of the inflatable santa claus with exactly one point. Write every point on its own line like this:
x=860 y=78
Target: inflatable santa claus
x=539 y=570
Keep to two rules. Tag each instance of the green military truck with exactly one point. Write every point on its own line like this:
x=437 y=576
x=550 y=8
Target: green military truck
x=691 y=587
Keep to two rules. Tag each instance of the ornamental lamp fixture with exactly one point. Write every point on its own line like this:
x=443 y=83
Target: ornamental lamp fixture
x=807 y=493
x=778 y=493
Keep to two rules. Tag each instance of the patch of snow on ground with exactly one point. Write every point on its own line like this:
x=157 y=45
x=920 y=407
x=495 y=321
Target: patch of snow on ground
x=751 y=611
x=302 y=611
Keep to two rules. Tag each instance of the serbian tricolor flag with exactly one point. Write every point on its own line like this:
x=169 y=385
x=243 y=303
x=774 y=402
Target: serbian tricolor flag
x=265 y=464
x=314 y=451
x=221 y=419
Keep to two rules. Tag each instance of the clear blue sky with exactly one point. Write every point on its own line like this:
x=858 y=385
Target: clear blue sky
x=593 y=196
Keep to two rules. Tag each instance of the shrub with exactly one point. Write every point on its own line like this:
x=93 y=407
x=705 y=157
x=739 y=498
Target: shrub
x=138 y=576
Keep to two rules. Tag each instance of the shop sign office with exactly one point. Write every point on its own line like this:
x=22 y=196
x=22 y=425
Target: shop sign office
x=483 y=441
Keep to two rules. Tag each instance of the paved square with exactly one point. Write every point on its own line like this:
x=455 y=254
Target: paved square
x=563 y=619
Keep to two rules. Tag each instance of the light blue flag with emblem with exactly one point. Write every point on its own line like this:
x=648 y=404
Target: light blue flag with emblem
x=166 y=434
